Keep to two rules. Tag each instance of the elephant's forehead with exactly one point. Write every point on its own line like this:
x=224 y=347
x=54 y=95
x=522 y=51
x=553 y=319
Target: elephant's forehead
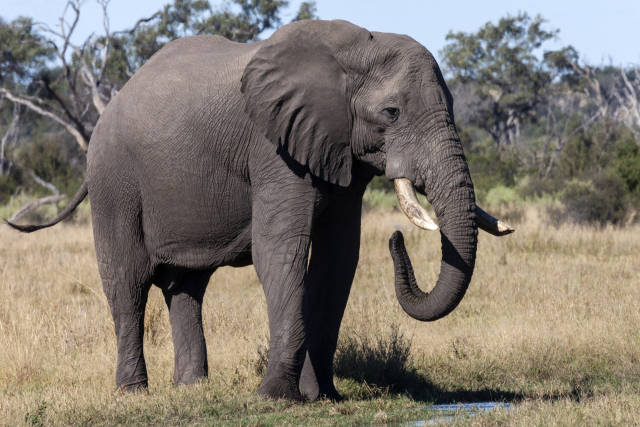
x=410 y=64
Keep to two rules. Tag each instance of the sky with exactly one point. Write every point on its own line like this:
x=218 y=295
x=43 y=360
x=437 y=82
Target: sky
x=601 y=31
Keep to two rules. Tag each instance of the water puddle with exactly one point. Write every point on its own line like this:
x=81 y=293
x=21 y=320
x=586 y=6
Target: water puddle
x=446 y=413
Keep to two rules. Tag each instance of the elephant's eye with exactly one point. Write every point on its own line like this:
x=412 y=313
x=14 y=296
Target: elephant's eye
x=391 y=113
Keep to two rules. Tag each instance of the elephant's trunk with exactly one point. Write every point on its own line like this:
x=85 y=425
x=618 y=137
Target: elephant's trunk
x=458 y=232
x=446 y=180
x=459 y=216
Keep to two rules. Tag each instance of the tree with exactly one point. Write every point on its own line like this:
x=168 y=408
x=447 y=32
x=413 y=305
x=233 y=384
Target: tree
x=76 y=92
x=307 y=10
x=24 y=55
x=66 y=93
x=564 y=120
x=627 y=92
x=196 y=17
x=43 y=73
x=505 y=77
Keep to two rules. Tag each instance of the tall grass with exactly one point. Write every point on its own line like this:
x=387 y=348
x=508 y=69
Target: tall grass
x=551 y=320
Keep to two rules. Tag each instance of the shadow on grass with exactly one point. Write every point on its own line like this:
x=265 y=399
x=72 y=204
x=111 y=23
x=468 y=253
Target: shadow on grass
x=383 y=366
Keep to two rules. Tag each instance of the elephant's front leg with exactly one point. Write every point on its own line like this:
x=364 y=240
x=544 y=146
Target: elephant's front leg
x=281 y=229
x=334 y=258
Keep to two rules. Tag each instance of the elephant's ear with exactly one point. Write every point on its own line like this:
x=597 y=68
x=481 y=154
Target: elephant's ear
x=295 y=91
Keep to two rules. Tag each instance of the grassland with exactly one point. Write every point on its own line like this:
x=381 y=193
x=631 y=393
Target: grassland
x=550 y=322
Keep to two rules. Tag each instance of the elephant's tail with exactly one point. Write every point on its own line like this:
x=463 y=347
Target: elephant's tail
x=79 y=197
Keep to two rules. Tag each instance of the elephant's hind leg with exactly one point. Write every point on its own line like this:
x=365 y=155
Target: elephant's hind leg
x=124 y=264
x=185 y=314
x=124 y=268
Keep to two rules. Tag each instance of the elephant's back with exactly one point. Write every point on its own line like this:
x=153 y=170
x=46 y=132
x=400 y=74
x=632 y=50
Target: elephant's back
x=187 y=76
x=200 y=58
x=186 y=99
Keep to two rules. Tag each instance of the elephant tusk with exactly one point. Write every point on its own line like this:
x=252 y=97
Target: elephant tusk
x=411 y=206
x=492 y=225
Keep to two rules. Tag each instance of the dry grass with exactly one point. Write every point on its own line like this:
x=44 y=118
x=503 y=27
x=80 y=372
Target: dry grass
x=551 y=321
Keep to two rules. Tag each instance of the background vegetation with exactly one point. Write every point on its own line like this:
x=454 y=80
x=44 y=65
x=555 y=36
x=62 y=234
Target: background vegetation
x=551 y=318
x=538 y=125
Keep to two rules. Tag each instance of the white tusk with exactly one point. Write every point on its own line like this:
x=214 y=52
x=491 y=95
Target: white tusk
x=411 y=206
x=492 y=225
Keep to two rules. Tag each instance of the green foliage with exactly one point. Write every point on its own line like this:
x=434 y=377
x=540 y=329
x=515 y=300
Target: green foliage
x=598 y=202
x=508 y=79
x=26 y=69
x=8 y=186
x=381 y=183
x=379 y=199
x=589 y=152
x=49 y=153
x=533 y=188
x=307 y=10
x=240 y=20
x=490 y=169
x=628 y=164
x=502 y=195
x=23 y=52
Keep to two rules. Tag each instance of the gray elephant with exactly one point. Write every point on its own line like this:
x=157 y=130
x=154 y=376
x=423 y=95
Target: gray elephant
x=224 y=154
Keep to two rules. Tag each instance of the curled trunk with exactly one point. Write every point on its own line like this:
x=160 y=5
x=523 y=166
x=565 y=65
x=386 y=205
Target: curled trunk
x=454 y=201
x=455 y=274
x=459 y=245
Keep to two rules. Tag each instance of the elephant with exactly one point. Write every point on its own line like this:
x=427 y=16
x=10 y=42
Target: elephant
x=218 y=153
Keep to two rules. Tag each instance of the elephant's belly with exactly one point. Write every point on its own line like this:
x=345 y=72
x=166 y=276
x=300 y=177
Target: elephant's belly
x=182 y=251
x=187 y=229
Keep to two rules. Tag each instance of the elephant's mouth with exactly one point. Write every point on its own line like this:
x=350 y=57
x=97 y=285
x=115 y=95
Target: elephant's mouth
x=420 y=217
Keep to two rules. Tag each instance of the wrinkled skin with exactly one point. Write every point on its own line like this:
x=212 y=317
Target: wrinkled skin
x=218 y=153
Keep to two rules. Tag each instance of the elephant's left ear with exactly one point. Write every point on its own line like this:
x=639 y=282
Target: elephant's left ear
x=295 y=91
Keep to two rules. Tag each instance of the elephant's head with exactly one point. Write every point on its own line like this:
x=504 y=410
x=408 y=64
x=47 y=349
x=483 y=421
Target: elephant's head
x=344 y=101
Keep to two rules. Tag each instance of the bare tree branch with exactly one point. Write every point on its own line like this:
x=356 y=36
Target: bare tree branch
x=74 y=104
x=80 y=127
x=602 y=99
x=47 y=200
x=561 y=138
x=30 y=207
x=61 y=52
x=12 y=132
x=562 y=141
x=45 y=184
x=140 y=21
x=89 y=79
x=82 y=141
x=627 y=93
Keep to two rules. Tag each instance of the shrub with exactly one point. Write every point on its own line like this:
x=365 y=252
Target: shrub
x=489 y=170
x=628 y=164
x=380 y=361
x=501 y=195
x=600 y=202
x=534 y=188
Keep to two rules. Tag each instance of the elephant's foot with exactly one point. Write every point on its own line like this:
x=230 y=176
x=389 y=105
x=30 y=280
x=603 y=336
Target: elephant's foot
x=315 y=388
x=135 y=388
x=313 y=392
x=189 y=377
x=331 y=395
x=280 y=389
